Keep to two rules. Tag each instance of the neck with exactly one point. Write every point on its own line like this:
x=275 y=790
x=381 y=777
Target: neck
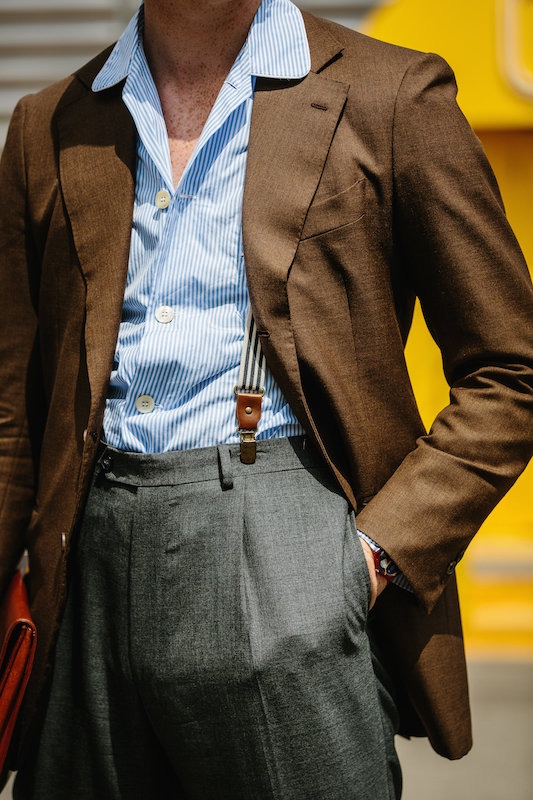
x=190 y=40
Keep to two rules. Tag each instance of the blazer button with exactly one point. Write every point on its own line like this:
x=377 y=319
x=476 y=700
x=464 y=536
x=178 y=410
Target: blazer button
x=92 y=434
x=451 y=566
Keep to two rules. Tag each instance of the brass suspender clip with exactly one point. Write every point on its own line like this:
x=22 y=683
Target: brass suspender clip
x=248 y=447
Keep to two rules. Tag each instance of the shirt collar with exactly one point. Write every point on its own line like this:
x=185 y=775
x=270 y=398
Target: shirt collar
x=278 y=43
x=117 y=66
x=277 y=46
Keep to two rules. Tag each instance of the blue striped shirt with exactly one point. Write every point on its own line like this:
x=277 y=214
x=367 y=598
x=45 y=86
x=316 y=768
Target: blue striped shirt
x=186 y=299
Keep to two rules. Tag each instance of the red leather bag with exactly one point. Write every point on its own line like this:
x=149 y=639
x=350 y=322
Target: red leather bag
x=18 y=638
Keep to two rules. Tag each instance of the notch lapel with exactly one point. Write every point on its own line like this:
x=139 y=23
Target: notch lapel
x=97 y=151
x=292 y=128
x=293 y=124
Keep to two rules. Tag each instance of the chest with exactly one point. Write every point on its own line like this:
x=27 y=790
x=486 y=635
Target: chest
x=185 y=112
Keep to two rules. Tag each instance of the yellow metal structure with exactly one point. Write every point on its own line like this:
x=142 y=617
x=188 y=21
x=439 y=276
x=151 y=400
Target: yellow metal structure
x=489 y=44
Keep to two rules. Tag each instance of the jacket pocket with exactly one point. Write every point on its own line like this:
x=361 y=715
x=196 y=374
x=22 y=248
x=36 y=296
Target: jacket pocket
x=334 y=212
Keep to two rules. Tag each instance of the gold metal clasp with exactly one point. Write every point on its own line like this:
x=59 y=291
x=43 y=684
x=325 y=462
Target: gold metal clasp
x=248 y=446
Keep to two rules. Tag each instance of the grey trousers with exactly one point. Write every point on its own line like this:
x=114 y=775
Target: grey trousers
x=214 y=645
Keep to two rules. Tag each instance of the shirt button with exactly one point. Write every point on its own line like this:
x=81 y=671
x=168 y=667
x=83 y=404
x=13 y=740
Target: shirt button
x=162 y=199
x=164 y=314
x=144 y=404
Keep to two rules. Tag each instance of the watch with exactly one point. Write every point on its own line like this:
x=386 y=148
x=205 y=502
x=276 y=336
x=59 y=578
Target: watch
x=384 y=565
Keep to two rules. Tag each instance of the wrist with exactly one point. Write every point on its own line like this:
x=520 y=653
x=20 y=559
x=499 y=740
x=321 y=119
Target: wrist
x=383 y=564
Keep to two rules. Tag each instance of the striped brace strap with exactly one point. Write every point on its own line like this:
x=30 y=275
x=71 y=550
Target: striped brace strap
x=249 y=390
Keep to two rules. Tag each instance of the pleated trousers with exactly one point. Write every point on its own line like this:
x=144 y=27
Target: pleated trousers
x=214 y=645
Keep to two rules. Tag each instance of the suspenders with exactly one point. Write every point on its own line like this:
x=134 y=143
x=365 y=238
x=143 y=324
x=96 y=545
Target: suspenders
x=249 y=390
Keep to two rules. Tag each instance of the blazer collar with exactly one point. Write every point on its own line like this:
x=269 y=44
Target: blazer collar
x=293 y=124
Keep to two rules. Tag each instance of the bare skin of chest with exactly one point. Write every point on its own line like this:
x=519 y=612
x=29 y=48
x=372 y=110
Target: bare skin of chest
x=185 y=112
x=190 y=46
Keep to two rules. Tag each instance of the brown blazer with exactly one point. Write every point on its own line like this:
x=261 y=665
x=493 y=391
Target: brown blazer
x=364 y=187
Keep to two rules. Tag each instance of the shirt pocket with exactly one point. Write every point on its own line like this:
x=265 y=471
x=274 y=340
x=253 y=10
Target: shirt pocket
x=334 y=212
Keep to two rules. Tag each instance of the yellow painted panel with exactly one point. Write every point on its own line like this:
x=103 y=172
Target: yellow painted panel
x=498 y=608
x=488 y=43
x=511 y=155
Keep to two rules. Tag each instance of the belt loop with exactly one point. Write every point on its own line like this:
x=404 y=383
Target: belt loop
x=226 y=471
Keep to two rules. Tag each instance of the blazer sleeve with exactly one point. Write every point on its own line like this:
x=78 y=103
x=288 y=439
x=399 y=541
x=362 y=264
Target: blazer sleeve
x=19 y=392
x=462 y=260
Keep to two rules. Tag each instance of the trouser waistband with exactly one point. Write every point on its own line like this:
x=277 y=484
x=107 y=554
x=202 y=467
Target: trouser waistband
x=221 y=462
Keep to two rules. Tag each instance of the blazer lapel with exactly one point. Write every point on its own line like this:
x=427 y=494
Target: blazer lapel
x=293 y=124
x=97 y=150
